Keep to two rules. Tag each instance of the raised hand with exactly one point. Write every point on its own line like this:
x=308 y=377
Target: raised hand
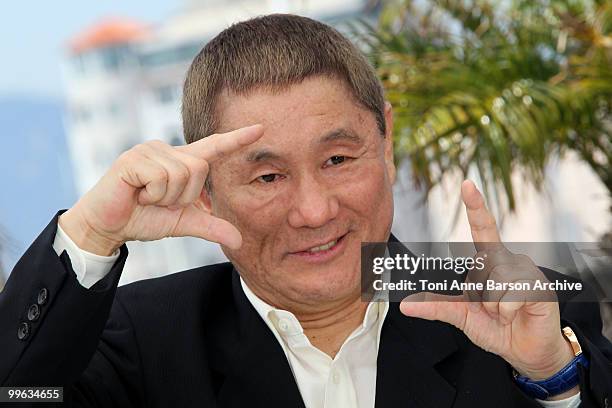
x=154 y=191
x=524 y=331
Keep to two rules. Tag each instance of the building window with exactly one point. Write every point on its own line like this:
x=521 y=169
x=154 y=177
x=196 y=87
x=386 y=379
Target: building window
x=111 y=58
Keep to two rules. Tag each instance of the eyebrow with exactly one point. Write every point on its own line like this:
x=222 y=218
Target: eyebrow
x=261 y=155
x=339 y=135
x=336 y=135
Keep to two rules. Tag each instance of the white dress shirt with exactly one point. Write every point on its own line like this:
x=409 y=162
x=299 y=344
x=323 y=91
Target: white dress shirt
x=346 y=381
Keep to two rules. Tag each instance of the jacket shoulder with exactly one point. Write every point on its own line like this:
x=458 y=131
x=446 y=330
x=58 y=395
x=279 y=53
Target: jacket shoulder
x=189 y=288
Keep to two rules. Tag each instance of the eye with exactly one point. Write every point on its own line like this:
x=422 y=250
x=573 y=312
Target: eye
x=336 y=160
x=268 y=178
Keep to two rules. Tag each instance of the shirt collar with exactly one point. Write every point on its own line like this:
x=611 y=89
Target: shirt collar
x=285 y=325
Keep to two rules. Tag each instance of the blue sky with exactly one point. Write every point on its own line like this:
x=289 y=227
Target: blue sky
x=34 y=35
x=33 y=153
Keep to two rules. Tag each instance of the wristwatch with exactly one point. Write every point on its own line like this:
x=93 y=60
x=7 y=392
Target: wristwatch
x=564 y=380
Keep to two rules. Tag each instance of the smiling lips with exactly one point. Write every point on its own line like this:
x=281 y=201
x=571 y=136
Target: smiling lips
x=324 y=251
x=323 y=247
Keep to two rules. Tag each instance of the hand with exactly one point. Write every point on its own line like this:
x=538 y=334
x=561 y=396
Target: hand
x=154 y=191
x=525 y=332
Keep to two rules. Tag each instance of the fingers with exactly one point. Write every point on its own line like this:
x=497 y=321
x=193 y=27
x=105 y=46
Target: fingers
x=170 y=178
x=177 y=170
x=165 y=176
x=513 y=281
x=433 y=306
x=219 y=145
x=197 y=223
x=482 y=223
x=148 y=174
x=198 y=171
x=508 y=310
x=174 y=177
x=488 y=242
x=493 y=261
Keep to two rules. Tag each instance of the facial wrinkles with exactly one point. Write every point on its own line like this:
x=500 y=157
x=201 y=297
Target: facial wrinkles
x=268 y=205
x=292 y=123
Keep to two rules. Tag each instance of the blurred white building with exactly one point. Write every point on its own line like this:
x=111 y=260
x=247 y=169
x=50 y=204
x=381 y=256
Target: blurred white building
x=123 y=86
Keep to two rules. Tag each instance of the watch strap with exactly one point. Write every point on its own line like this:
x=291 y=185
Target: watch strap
x=564 y=380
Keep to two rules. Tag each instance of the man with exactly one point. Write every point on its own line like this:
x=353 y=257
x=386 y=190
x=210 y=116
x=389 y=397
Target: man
x=297 y=174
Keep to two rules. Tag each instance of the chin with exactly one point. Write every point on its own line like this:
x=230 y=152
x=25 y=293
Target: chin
x=323 y=287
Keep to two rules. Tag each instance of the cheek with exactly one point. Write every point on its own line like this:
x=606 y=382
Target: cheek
x=368 y=189
x=257 y=220
x=235 y=202
x=369 y=196
x=257 y=212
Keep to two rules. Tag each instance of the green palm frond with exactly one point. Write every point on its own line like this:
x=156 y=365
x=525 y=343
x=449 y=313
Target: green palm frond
x=475 y=88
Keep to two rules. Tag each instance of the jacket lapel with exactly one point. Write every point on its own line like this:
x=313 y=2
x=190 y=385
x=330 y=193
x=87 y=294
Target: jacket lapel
x=264 y=369
x=408 y=352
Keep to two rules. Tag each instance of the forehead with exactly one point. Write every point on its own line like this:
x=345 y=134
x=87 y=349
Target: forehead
x=312 y=107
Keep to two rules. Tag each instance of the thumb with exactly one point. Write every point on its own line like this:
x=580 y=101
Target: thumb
x=195 y=222
x=482 y=223
x=433 y=306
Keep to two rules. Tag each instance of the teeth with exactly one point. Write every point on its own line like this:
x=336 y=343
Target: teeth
x=323 y=247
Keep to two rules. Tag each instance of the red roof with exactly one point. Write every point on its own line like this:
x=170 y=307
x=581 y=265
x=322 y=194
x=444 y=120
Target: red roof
x=111 y=31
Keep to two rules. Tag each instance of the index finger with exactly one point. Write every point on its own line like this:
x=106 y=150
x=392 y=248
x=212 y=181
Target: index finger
x=482 y=223
x=218 y=145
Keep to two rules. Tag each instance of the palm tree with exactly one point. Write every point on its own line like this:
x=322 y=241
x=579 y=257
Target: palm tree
x=496 y=87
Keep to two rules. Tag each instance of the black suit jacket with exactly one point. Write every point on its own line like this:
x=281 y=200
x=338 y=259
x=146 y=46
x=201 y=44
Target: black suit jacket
x=192 y=339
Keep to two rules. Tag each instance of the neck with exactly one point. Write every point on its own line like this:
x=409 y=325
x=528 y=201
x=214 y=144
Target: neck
x=326 y=324
x=327 y=330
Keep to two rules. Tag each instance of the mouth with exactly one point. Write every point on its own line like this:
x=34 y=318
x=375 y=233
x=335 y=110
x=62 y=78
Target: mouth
x=323 y=252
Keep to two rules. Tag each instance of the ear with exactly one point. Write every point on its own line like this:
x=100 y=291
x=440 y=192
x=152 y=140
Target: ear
x=389 y=142
x=204 y=202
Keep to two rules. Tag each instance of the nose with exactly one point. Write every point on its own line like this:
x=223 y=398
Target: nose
x=314 y=204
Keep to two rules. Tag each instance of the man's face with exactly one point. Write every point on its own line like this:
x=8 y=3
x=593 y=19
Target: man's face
x=304 y=196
